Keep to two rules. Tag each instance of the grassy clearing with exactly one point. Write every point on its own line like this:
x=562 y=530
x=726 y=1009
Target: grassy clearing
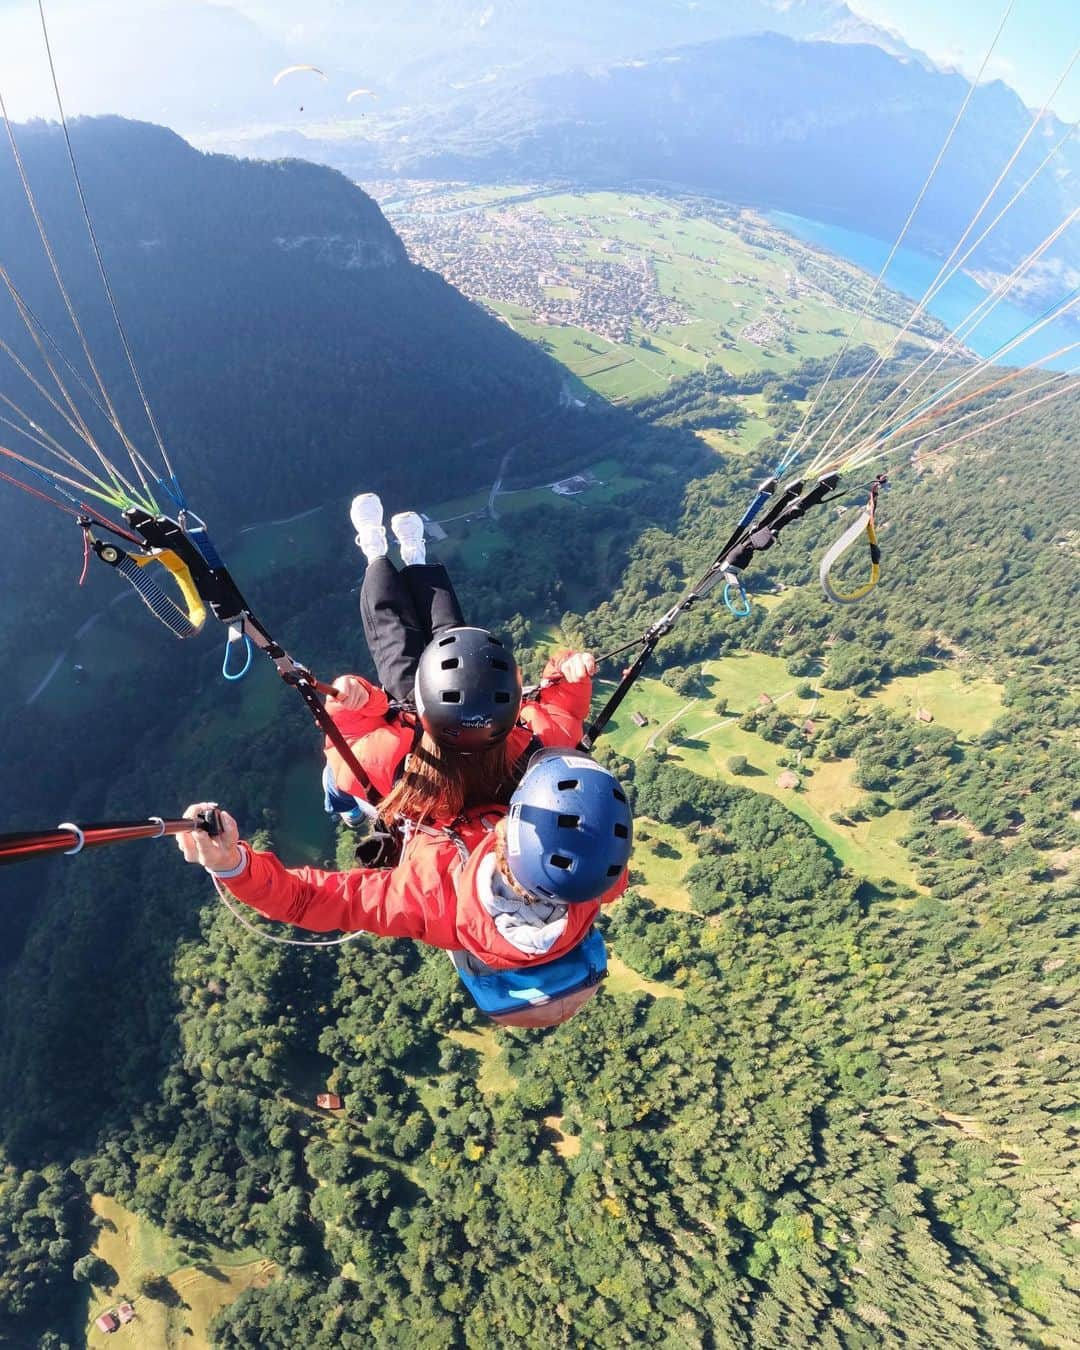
x=137 y=1248
x=493 y=1076
x=967 y=705
x=622 y=980
x=473 y=536
x=664 y=859
x=308 y=538
x=871 y=848
x=565 y=1145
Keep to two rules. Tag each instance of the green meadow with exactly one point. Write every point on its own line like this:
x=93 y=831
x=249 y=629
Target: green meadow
x=192 y=1291
x=692 y=733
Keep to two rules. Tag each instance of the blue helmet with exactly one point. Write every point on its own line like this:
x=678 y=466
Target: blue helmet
x=569 y=830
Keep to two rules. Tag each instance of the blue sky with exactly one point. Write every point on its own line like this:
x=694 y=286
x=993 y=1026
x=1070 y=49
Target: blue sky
x=1037 y=41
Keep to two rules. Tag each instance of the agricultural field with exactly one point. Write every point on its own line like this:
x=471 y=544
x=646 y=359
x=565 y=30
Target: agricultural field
x=630 y=292
x=187 y=1295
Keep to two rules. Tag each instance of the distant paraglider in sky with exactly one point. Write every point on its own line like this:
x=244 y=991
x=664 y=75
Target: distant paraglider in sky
x=361 y=93
x=294 y=70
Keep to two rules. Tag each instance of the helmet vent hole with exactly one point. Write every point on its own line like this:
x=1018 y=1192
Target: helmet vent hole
x=560 y=861
x=501 y=696
x=614 y=870
x=446 y=641
x=619 y=794
x=569 y=822
x=568 y=784
x=621 y=832
x=451 y=695
x=499 y=664
x=451 y=663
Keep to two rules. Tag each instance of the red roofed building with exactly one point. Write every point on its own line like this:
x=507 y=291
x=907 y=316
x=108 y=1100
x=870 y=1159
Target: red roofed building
x=329 y=1101
x=764 y=700
x=126 y=1313
x=107 y=1322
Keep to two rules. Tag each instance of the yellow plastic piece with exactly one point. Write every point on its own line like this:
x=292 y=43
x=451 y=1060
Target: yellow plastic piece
x=175 y=565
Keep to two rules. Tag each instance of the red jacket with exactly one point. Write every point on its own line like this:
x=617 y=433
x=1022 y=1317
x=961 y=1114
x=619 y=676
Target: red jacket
x=556 y=718
x=431 y=895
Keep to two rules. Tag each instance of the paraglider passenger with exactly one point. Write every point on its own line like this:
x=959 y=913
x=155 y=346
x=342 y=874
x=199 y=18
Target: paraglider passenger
x=505 y=888
x=460 y=734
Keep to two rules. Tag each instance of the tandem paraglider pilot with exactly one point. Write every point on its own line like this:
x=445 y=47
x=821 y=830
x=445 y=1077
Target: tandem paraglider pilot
x=512 y=893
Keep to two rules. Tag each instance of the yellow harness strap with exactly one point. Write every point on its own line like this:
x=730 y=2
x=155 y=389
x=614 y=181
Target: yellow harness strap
x=185 y=582
x=863 y=525
x=181 y=620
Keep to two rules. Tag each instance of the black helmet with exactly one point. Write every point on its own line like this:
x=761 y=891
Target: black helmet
x=468 y=689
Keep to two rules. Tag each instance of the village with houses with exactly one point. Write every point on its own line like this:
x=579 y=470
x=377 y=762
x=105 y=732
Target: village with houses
x=563 y=272
x=574 y=270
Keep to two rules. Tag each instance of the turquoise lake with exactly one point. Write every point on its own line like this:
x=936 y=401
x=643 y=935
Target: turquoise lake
x=911 y=273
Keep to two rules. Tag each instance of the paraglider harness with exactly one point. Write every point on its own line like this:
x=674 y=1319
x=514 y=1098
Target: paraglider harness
x=381 y=846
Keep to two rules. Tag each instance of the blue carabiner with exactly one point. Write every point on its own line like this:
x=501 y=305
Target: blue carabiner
x=229 y=644
x=743 y=608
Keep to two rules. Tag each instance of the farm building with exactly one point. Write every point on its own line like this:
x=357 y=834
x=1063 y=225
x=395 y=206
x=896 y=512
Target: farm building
x=126 y=1313
x=808 y=727
x=107 y=1322
x=924 y=715
x=765 y=701
x=788 y=780
x=639 y=719
x=329 y=1101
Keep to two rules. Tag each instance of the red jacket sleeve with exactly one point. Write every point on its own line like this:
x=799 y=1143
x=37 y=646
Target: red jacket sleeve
x=362 y=720
x=558 y=715
x=378 y=745
x=402 y=901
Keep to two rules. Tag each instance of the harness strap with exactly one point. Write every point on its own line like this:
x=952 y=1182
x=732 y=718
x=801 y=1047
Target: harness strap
x=863 y=524
x=131 y=566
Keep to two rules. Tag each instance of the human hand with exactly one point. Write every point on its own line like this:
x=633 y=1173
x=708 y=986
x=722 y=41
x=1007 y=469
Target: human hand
x=351 y=694
x=219 y=852
x=578 y=666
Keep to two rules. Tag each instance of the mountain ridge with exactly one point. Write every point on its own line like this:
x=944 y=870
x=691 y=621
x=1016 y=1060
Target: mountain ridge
x=767 y=119
x=250 y=290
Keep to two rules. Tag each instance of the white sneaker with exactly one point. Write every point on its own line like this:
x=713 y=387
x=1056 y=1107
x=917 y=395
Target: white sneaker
x=408 y=530
x=366 y=514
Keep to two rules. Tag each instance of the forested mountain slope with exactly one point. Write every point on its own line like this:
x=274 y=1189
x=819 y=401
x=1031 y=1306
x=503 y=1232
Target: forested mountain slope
x=289 y=349
x=839 y=1114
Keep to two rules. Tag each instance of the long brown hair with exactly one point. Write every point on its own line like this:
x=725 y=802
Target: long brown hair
x=441 y=783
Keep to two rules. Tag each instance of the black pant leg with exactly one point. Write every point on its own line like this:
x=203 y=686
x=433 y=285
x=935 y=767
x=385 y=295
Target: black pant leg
x=395 y=632
x=434 y=600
